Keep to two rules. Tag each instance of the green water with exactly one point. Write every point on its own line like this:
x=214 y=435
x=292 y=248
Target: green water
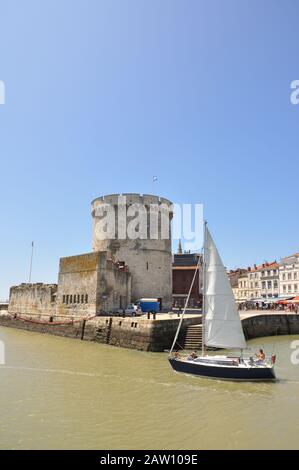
x=58 y=393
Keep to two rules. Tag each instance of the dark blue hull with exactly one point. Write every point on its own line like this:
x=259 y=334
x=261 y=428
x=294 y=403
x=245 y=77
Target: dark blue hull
x=223 y=372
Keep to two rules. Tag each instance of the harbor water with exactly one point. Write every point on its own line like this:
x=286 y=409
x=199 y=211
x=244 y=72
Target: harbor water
x=59 y=393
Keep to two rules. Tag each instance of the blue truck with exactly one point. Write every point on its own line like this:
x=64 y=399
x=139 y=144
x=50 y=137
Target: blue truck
x=149 y=305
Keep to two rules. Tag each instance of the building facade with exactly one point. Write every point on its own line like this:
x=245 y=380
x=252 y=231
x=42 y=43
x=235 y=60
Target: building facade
x=254 y=282
x=289 y=276
x=234 y=277
x=269 y=280
x=183 y=269
x=243 y=292
x=91 y=284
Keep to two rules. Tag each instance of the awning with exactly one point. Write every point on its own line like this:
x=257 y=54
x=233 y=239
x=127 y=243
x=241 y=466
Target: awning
x=285 y=301
x=295 y=300
x=285 y=297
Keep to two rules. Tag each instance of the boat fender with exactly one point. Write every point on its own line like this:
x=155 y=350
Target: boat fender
x=273 y=358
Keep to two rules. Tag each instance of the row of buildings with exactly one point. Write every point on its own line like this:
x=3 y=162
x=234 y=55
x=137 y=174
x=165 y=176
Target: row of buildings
x=268 y=281
x=264 y=283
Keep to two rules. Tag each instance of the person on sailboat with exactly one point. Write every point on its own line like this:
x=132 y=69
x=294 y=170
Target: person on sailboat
x=192 y=356
x=261 y=356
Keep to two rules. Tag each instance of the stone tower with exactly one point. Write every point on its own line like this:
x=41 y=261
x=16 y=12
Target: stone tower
x=140 y=236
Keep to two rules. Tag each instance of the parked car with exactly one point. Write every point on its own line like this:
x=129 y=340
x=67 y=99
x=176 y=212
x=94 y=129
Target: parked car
x=131 y=310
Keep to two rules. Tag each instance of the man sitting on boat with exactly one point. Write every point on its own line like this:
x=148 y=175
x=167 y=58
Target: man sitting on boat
x=260 y=356
x=192 y=356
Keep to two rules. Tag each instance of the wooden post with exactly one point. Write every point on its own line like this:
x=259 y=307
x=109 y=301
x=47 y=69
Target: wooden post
x=83 y=329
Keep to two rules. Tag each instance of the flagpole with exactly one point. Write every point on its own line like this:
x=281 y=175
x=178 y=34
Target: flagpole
x=154 y=179
x=31 y=258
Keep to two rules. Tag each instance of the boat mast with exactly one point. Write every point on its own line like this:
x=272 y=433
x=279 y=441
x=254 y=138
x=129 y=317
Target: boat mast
x=203 y=291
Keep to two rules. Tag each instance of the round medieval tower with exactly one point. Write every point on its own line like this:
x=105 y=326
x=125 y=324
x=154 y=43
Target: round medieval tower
x=136 y=229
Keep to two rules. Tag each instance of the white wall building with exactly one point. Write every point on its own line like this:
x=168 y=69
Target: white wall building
x=242 y=294
x=269 y=280
x=254 y=283
x=289 y=276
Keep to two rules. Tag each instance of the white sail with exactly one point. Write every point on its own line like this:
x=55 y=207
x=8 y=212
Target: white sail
x=222 y=324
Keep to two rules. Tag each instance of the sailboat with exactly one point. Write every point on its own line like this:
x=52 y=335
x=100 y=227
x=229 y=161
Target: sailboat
x=221 y=328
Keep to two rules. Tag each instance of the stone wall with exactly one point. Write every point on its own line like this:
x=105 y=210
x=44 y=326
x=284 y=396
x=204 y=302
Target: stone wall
x=92 y=283
x=71 y=330
x=77 y=284
x=270 y=325
x=133 y=333
x=147 y=335
x=33 y=299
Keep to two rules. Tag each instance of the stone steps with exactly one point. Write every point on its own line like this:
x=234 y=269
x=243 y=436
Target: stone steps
x=193 y=338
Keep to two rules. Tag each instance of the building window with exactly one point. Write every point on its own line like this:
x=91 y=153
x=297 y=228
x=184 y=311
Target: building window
x=67 y=299
x=295 y=275
x=63 y=299
x=147 y=265
x=284 y=288
x=289 y=288
x=295 y=287
x=284 y=276
x=86 y=298
x=269 y=284
x=275 y=284
x=78 y=298
x=71 y=299
x=82 y=299
x=75 y=298
x=263 y=285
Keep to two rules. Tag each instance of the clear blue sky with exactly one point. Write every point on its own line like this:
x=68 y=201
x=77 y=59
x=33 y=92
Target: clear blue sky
x=101 y=95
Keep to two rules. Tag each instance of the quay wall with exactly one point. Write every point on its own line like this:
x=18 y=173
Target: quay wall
x=140 y=332
x=269 y=324
x=133 y=333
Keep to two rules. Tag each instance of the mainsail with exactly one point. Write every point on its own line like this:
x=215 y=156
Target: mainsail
x=222 y=324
